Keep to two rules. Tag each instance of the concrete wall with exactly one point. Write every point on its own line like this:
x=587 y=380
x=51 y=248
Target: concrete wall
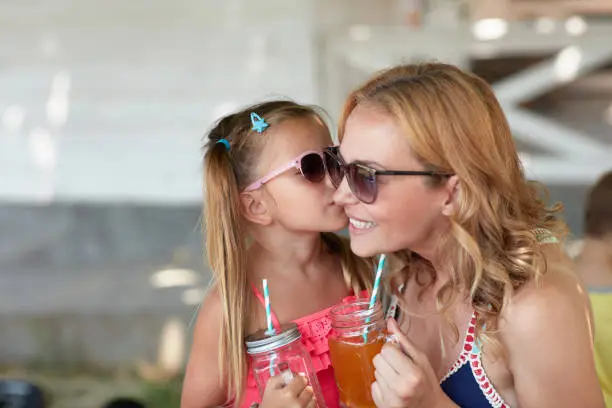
x=108 y=101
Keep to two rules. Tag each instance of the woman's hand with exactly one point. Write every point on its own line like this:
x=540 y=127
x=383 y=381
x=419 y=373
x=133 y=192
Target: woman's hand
x=404 y=376
x=296 y=394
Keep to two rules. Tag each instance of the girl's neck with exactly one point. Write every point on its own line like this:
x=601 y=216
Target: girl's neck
x=286 y=252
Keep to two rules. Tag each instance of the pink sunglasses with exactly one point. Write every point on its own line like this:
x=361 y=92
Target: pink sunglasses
x=311 y=164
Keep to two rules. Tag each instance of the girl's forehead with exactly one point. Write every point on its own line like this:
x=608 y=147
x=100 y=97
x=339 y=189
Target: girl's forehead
x=289 y=139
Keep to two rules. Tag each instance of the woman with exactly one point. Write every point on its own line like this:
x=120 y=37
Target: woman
x=595 y=266
x=491 y=312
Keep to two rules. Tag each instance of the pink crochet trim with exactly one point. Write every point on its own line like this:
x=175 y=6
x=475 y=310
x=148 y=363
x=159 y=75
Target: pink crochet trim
x=471 y=353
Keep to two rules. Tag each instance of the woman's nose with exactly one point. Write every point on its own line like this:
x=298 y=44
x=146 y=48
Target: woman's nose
x=343 y=195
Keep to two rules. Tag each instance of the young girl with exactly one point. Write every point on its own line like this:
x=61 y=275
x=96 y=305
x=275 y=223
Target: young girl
x=269 y=213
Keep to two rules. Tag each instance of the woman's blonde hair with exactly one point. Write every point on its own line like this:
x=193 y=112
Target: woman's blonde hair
x=455 y=125
x=227 y=173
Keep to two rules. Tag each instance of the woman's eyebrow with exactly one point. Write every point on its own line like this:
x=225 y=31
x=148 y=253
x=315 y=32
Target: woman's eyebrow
x=371 y=163
x=367 y=162
x=362 y=161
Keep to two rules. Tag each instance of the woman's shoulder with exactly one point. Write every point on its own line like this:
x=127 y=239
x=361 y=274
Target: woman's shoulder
x=543 y=310
x=557 y=290
x=547 y=332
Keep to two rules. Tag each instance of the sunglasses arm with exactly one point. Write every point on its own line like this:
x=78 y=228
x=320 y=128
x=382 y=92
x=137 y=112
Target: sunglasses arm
x=257 y=184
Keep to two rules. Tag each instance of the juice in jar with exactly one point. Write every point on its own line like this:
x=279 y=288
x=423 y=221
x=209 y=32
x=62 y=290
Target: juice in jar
x=354 y=369
x=358 y=334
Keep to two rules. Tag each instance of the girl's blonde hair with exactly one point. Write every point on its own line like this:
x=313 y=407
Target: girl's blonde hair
x=455 y=125
x=227 y=172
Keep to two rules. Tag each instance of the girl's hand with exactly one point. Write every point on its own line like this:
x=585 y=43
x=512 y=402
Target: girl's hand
x=296 y=394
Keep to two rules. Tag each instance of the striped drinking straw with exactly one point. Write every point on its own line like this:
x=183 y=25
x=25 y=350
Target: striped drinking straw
x=381 y=266
x=266 y=294
x=270 y=330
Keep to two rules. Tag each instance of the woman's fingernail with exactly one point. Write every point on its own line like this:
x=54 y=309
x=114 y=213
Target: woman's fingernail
x=391 y=339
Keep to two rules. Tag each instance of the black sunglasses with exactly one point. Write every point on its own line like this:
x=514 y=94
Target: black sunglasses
x=361 y=177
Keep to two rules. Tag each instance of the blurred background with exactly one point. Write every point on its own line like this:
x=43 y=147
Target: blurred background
x=103 y=106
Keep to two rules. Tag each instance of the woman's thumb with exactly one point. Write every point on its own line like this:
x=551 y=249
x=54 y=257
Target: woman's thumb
x=402 y=340
x=393 y=327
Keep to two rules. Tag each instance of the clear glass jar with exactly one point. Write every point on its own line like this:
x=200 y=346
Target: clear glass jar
x=281 y=353
x=358 y=334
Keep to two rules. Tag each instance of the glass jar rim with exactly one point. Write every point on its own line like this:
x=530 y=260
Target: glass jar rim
x=263 y=342
x=364 y=309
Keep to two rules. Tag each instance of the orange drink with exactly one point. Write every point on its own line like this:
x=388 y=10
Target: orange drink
x=358 y=336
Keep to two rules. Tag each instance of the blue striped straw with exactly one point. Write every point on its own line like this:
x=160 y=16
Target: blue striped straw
x=267 y=305
x=381 y=266
x=270 y=330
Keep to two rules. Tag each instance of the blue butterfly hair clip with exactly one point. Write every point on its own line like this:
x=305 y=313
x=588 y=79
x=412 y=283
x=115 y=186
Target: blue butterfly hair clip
x=259 y=124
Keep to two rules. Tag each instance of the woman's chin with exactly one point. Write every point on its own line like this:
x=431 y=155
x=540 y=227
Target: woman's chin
x=363 y=250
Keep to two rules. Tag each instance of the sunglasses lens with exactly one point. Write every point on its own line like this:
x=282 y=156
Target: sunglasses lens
x=363 y=183
x=313 y=168
x=334 y=169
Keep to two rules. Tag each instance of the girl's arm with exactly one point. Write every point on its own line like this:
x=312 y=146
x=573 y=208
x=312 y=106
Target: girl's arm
x=202 y=387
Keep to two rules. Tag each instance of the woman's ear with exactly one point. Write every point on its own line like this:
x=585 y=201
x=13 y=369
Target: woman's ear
x=452 y=191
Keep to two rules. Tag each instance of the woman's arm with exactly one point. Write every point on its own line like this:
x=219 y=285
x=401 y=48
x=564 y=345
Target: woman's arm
x=202 y=387
x=548 y=334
